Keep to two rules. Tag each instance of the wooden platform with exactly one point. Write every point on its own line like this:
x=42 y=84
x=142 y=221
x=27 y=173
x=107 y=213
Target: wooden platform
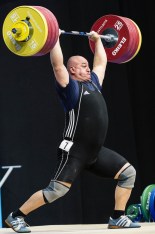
x=146 y=228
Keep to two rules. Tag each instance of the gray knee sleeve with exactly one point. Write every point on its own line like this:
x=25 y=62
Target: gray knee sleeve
x=54 y=191
x=127 y=178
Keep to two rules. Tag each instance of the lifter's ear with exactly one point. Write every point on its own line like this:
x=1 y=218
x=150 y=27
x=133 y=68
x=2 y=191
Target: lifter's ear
x=72 y=70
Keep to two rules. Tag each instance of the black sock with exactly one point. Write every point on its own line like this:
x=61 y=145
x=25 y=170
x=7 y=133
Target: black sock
x=17 y=213
x=117 y=213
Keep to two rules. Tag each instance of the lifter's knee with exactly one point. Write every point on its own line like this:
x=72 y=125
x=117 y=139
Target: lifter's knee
x=127 y=178
x=54 y=191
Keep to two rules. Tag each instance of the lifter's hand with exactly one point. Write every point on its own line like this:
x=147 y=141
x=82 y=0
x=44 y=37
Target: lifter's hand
x=59 y=32
x=94 y=36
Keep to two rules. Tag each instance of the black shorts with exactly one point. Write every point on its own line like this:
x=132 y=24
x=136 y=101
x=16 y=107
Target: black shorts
x=106 y=164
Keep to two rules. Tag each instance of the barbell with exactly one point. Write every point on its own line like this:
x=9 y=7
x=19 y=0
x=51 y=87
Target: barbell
x=34 y=30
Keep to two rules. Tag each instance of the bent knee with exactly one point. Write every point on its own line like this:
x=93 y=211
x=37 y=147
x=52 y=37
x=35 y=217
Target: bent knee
x=54 y=191
x=127 y=178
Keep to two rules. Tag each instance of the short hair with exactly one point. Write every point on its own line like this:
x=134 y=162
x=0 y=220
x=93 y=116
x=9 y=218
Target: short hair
x=73 y=60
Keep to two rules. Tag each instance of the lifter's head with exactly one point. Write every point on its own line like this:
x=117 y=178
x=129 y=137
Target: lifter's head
x=78 y=68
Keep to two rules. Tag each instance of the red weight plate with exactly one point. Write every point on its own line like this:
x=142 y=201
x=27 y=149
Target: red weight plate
x=138 y=39
x=115 y=53
x=43 y=50
x=53 y=30
x=134 y=40
x=53 y=24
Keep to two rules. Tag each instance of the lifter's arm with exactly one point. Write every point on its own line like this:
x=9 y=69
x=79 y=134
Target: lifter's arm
x=57 y=61
x=100 y=57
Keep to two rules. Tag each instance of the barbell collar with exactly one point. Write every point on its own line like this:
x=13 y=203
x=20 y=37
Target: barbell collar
x=107 y=38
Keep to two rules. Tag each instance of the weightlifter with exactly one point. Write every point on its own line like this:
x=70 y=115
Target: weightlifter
x=82 y=146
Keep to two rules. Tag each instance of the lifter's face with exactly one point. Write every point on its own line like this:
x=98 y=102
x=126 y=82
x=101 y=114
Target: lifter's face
x=79 y=69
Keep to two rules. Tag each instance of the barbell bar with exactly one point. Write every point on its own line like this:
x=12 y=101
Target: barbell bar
x=34 y=30
x=107 y=38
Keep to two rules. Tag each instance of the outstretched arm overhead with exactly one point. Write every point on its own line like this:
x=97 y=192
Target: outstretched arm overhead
x=57 y=61
x=100 y=57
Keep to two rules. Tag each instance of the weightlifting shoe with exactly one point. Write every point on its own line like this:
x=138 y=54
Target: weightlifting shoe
x=122 y=222
x=18 y=224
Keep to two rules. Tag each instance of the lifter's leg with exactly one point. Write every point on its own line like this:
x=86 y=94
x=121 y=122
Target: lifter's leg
x=53 y=191
x=110 y=164
x=36 y=200
x=126 y=178
x=122 y=195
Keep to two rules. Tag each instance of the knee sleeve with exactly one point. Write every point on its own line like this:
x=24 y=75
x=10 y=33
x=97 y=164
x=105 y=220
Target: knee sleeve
x=54 y=191
x=127 y=178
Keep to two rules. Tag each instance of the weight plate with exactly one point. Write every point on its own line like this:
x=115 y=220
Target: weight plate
x=134 y=212
x=152 y=204
x=133 y=42
x=128 y=34
x=139 y=42
x=118 y=24
x=40 y=31
x=53 y=30
x=145 y=200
